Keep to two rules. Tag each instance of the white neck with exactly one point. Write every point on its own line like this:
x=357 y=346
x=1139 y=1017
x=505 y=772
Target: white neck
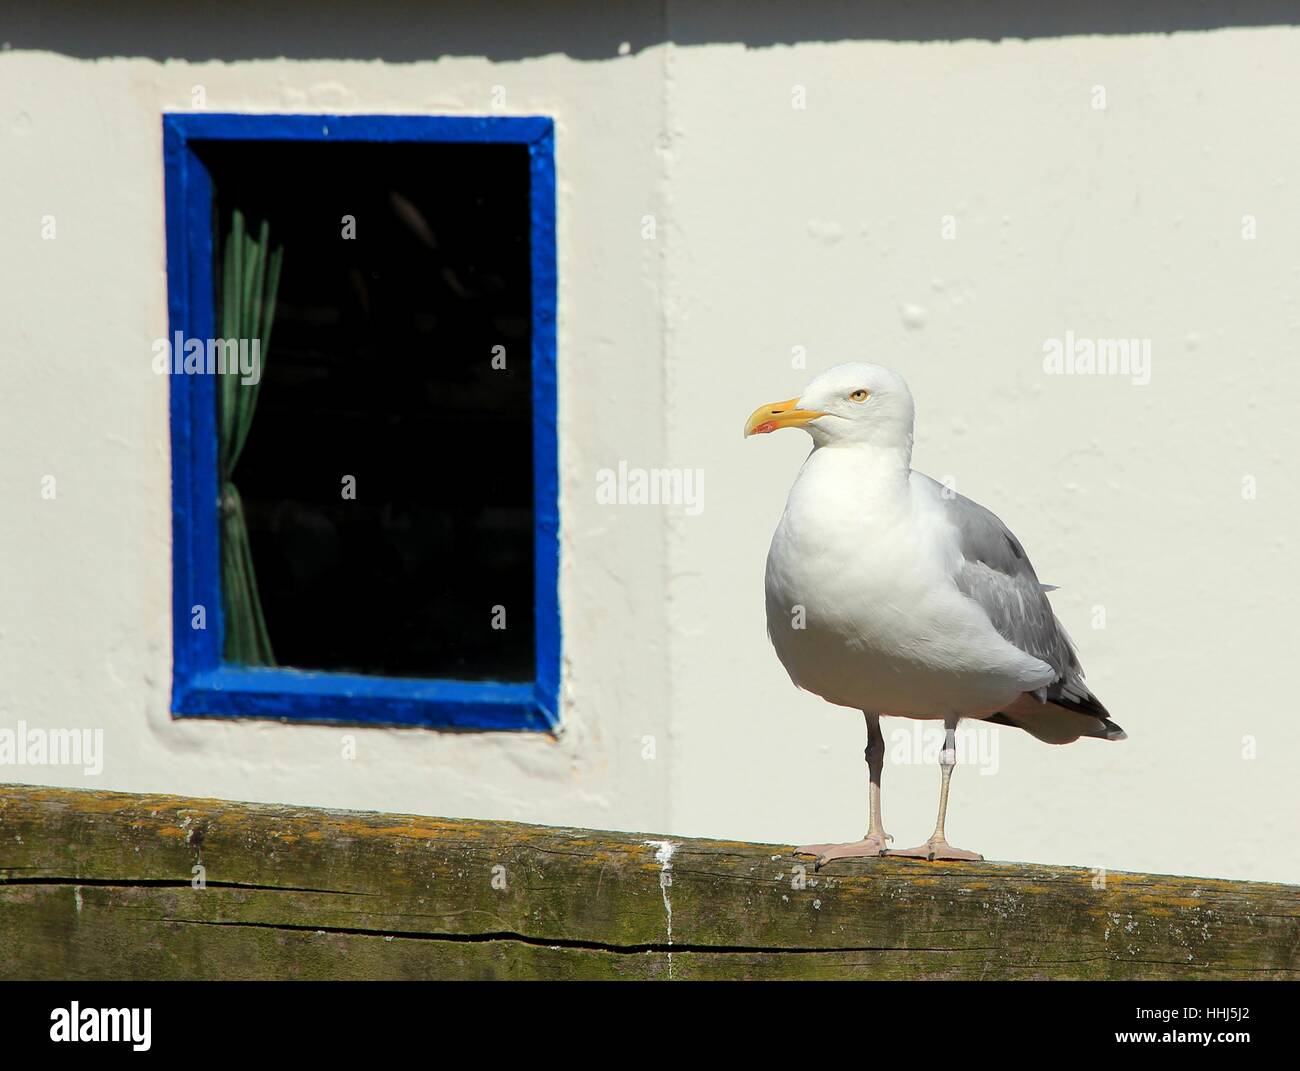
x=878 y=463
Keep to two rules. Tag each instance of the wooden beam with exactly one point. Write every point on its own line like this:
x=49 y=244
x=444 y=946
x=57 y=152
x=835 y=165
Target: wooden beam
x=110 y=885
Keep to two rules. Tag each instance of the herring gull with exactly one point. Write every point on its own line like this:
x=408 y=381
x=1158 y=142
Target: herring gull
x=889 y=593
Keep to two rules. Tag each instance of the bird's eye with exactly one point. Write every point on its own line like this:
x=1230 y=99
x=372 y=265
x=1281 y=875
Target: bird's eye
x=859 y=396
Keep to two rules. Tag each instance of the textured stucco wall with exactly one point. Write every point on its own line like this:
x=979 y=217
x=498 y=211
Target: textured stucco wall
x=776 y=227
x=822 y=228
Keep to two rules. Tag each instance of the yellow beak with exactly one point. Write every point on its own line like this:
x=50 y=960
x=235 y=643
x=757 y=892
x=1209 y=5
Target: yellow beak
x=776 y=415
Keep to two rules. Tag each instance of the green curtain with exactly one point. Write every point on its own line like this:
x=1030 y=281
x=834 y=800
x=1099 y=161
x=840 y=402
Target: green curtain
x=249 y=280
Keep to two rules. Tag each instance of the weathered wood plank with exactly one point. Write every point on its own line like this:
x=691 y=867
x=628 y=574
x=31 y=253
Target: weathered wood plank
x=100 y=885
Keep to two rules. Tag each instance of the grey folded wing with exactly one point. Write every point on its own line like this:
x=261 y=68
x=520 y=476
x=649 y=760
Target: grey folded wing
x=995 y=571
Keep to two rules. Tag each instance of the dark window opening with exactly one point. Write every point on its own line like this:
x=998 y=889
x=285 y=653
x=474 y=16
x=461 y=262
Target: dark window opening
x=380 y=368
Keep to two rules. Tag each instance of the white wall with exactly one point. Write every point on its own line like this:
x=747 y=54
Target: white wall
x=778 y=227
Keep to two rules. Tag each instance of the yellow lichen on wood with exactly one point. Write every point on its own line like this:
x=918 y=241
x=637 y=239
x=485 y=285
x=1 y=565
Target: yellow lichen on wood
x=316 y=893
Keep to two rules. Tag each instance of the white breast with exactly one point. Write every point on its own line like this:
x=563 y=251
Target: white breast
x=861 y=607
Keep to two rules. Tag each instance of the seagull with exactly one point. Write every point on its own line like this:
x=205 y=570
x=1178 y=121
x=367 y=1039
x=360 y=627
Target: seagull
x=889 y=593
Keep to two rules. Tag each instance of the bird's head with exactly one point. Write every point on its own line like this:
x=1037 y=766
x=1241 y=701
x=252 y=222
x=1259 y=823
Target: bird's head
x=850 y=403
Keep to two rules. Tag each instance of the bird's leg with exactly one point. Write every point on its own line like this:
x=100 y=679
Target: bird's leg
x=937 y=847
x=874 y=842
x=875 y=756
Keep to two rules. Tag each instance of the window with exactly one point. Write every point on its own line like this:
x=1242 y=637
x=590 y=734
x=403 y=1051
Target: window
x=362 y=374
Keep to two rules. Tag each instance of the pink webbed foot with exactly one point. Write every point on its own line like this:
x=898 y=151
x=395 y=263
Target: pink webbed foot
x=868 y=847
x=935 y=848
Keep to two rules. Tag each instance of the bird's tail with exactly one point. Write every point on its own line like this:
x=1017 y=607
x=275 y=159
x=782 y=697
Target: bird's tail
x=1061 y=718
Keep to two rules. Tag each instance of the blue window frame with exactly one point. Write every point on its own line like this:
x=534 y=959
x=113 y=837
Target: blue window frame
x=203 y=685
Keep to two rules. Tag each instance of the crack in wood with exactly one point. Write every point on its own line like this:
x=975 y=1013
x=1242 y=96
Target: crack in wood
x=172 y=883
x=559 y=942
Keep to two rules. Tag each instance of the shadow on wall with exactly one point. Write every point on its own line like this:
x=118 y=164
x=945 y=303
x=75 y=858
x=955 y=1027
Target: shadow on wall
x=405 y=31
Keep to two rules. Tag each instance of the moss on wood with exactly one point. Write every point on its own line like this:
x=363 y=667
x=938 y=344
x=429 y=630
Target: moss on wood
x=102 y=885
